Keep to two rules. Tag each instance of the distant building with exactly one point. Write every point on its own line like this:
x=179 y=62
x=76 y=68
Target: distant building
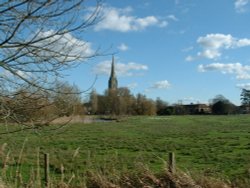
x=113 y=83
x=197 y=109
x=188 y=109
x=244 y=109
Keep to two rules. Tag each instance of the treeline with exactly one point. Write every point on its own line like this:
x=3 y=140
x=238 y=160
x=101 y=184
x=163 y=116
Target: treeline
x=39 y=107
x=35 y=106
x=122 y=102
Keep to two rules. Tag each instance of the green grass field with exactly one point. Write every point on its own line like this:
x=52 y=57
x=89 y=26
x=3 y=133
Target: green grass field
x=217 y=146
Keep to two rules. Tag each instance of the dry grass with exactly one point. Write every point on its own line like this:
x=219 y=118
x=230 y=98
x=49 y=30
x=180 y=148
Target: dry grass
x=149 y=180
x=208 y=182
x=71 y=119
x=145 y=179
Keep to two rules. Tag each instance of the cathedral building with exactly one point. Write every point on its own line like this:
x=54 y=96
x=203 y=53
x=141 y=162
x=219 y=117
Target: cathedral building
x=113 y=83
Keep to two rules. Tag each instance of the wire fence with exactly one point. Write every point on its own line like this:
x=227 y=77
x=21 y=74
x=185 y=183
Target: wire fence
x=44 y=171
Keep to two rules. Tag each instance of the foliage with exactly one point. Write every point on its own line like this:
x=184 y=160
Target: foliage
x=67 y=100
x=93 y=102
x=144 y=106
x=245 y=97
x=120 y=102
x=161 y=107
x=33 y=108
x=222 y=106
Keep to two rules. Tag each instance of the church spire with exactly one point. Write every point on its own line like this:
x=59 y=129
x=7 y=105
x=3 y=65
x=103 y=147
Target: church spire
x=113 y=67
x=112 y=79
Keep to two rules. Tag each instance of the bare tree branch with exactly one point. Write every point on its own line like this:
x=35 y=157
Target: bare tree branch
x=38 y=41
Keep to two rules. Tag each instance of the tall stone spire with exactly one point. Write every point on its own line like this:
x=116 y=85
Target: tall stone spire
x=112 y=79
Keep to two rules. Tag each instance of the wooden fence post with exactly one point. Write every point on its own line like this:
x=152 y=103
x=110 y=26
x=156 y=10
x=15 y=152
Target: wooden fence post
x=46 y=170
x=171 y=162
x=171 y=168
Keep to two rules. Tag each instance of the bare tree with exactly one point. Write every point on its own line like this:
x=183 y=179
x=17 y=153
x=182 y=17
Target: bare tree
x=38 y=41
x=67 y=101
x=93 y=102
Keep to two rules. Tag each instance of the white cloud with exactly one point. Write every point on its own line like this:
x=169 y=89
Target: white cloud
x=164 y=84
x=63 y=47
x=240 y=5
x=244 y=86
x=189 y=100
x=213 y=44
x=117 y=19
x=163 y=24
x=17 y=73
x=123 y=47
x=190 y=58
x=242 y=72
x=187 y=49
x=173 y=17
x=132 y=85
x=243 y=42
x=121 y=69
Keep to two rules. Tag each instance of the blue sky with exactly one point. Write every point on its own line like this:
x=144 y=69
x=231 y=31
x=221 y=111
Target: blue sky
x=178 y=50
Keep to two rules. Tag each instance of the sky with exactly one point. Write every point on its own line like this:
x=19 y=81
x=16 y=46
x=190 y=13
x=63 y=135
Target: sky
x=185 y=51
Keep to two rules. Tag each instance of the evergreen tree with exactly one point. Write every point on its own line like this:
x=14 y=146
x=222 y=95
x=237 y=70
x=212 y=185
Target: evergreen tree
x=245 y=97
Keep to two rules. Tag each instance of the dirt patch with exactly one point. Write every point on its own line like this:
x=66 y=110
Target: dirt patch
x=73 y=119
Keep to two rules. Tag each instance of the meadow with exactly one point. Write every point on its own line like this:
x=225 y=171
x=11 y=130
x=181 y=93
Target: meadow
x=216 y=146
